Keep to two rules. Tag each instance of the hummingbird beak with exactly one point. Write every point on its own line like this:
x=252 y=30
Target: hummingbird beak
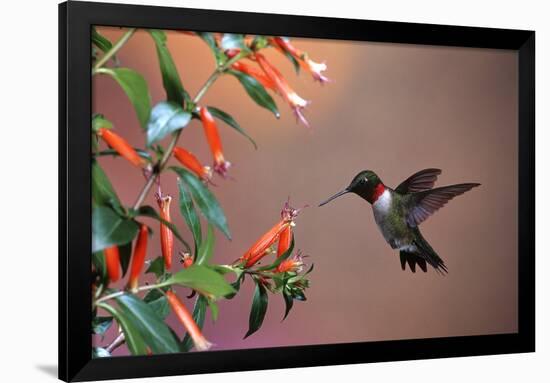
x=346 y=190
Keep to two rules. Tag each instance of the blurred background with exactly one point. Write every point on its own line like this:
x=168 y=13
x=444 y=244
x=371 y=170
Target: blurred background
x=391 y=108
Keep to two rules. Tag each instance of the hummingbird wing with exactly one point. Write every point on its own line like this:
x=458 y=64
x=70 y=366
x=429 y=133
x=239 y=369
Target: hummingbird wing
x=422 y=180
x=423 y=204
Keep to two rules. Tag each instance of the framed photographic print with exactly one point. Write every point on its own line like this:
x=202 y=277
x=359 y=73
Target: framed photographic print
x=280 y=191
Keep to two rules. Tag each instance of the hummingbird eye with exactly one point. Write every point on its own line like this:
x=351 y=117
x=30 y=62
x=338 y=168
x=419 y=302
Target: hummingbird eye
x=365 y=180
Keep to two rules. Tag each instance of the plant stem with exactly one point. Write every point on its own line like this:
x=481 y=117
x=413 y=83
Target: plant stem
x=213 y=77
x=119 y=341
x=119 y=293
x=115 y=48
x=164 y=160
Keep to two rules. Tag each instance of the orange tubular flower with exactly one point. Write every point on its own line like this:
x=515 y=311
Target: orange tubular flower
x=112 y=260
x=166 y=235
x=305 y=62
x=260 y=247
x=185 y=317
x=257 y=74
x=221 y=166
x=121 y=146
x=284 y=241
x=138 y=259
x=186 y=260
x=291 y=97
x=294 y=264
x=191 y=162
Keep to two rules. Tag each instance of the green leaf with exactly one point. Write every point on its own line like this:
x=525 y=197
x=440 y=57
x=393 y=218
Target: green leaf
x=166 y=117
x=111 y=152
x=205 y=200
x=291 y=58
x=259 y=308
x=208 y=37
x=298 y=294
x=156 y=333
x=279 y=281
x=256 y=91
x=157 y=267
x=95 y=144
x=103 y=43
x=101 y=324
x=188 y=212
x=289 y=301
x=301 y=277
x=148 y=211
x=214 y=310
x=99 y=121
x=109 y=229
x=100 y=352
x=98 y=260
x=159 y=151
x=199 y=313
x=218 y=113
x=236 y=285
x=176 y=337
x=294 y=62
x=103 y=192
x=133 y=337
x=136 y=89
x=170 y=76
x=259 y=42
x=223 y=269
x=202 y=279
x=280 y=259
x=158 y=302
x=207 y=247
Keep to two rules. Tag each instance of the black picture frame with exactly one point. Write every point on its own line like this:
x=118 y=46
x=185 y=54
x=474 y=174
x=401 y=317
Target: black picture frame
x=75 y=21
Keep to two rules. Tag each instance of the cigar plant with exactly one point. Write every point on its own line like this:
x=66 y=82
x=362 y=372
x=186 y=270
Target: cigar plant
x=122 y=270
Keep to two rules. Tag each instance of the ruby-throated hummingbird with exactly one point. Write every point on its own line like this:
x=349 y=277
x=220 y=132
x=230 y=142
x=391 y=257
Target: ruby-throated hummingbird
x=399 y=212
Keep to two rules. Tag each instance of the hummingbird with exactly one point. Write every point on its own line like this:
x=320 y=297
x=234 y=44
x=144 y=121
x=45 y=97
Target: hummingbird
x=398 y=212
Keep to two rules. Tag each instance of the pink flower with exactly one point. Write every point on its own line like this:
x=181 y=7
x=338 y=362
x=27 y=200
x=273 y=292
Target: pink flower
x=314 y=68
x=296 y=103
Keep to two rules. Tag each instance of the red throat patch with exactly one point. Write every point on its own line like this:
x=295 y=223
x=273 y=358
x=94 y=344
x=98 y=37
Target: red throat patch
x=377 y=192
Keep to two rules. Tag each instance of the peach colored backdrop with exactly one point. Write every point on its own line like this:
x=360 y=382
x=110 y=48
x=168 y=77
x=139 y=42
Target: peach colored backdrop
x=392 y=108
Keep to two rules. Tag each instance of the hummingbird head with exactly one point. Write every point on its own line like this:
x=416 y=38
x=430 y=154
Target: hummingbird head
x=366 y=184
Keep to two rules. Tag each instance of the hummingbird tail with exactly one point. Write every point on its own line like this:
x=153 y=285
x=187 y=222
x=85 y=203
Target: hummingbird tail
x=422 y=260
x=423 y=256
x=412 y=259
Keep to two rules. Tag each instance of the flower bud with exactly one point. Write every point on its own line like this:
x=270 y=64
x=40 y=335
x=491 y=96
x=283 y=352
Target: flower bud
x=191 y=162
x=138 y=259
x=221 y=166
x=121 y=146
x=186 y=319
x=166 y=235
x=112 y=261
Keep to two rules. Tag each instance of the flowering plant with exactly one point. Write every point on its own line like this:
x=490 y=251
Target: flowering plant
x=120 y=238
